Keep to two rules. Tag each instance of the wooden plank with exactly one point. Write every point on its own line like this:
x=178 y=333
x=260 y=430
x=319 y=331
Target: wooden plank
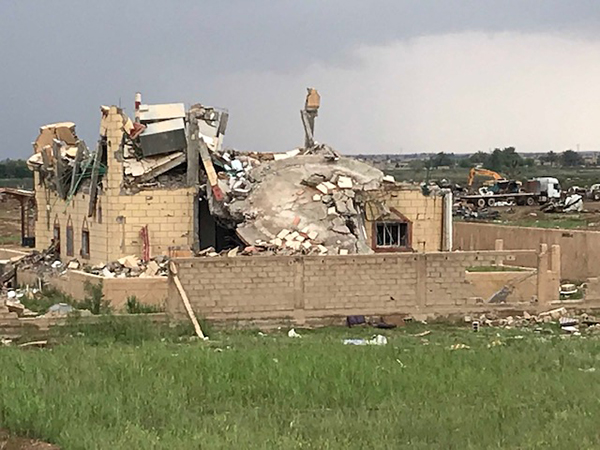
x=186 y=302
x=193 y=150
x=210 y=171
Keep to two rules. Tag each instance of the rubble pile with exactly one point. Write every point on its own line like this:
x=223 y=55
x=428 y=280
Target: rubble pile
x=155 y=150
x=308 y=201
x=568 y=322
x=127 y=267
x=48 y=263
x=468 y=211
x=63 y=161
x=570 y=204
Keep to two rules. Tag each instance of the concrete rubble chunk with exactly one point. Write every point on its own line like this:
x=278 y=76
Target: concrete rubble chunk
x=130 y=261
x=152 y=268
x=283 y=233
x=345 y=182
x=323 y=188
x=317 y=198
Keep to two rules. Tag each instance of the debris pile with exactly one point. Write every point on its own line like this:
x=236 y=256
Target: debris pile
x=156 y=147
x=469 y=211
x=63 y=160
x=568 y=322
x=308 y=201
x=127 y=267
x=570 y=204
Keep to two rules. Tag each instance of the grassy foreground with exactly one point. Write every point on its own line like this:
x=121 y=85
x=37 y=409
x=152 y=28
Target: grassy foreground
x=131 y=386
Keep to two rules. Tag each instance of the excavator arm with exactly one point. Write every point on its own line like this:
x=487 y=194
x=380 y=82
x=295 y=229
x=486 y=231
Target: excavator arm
x=480 y=171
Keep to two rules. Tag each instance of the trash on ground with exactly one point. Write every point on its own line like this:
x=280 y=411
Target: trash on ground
x=459 y=347
x=376 y=340
x=292 y=333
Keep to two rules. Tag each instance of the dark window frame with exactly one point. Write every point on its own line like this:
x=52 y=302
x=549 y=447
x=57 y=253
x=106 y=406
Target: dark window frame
x=56 y=233
x=85 y=240
x=396 y=218
x=70 y=238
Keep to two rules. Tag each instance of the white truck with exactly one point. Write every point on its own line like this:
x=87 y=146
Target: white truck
x=546 y=188
x=535 y=191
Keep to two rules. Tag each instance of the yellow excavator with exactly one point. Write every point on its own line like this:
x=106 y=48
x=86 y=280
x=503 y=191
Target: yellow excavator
x=481 y=171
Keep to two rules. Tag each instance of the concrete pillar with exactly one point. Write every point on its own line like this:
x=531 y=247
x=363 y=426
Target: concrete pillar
x=447 y=224
x=542 y=275
x=555 y=259
x=499 y=245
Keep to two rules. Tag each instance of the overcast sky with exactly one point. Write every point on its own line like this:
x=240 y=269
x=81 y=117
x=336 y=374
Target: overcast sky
x=394 y=76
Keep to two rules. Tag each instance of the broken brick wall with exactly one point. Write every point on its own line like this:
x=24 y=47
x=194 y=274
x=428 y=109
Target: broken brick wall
x=425 y=213
x=306 y=288
x=168 y=213
x=114 y=231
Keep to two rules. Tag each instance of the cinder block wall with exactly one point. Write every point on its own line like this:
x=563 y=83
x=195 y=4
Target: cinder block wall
x=425 y=213
x=578 y=247
x=306 y=288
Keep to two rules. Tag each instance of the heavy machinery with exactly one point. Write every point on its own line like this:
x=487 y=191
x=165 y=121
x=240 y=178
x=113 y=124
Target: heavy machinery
x=481 y=171
x=538 y=190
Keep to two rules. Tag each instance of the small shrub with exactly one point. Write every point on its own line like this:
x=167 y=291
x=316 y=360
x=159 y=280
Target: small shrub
x=134 y=306
x=94 y=300
x=44 y=299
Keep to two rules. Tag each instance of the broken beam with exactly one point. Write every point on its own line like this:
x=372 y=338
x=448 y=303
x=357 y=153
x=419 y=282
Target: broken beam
x=59 y=170
x=210 y=171
x=186 y=301
x=193 y=150
x=78 y=156
x=94 y=180
x=308 y=122
x=162 y=169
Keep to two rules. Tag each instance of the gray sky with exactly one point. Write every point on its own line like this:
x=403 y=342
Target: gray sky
x=394 y=76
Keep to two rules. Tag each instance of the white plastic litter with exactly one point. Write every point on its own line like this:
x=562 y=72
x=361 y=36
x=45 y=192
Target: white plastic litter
x=292 y=333
x=376 y=340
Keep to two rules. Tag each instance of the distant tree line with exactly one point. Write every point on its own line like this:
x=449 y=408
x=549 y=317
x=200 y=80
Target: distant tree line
x=14 y=168
x=505 y=160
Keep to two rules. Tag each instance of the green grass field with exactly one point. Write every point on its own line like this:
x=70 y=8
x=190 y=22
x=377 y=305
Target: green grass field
x=133 y=386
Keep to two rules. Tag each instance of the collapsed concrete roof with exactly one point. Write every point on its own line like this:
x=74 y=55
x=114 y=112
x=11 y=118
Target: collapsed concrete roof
x=310 y=201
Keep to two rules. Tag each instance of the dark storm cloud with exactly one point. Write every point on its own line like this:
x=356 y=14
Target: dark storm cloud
x=61 y=59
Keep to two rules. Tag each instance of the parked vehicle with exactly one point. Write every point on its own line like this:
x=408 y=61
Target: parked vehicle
x=537 y=190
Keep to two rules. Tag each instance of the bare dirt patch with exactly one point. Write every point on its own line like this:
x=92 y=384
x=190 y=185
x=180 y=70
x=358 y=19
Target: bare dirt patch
x=9 y=442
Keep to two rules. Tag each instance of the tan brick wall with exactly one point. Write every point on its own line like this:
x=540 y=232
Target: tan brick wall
x=76 y=210
x=149 y=291
x=168 y=213
x=425 y=213
x=306 y=288
x=578 y=248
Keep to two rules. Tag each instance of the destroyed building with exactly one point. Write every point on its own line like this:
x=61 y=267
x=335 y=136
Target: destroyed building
x=163 y=184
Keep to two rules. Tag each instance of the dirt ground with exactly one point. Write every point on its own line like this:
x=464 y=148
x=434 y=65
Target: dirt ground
x=8 y=442
x=532 y=216
x=10 y=223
